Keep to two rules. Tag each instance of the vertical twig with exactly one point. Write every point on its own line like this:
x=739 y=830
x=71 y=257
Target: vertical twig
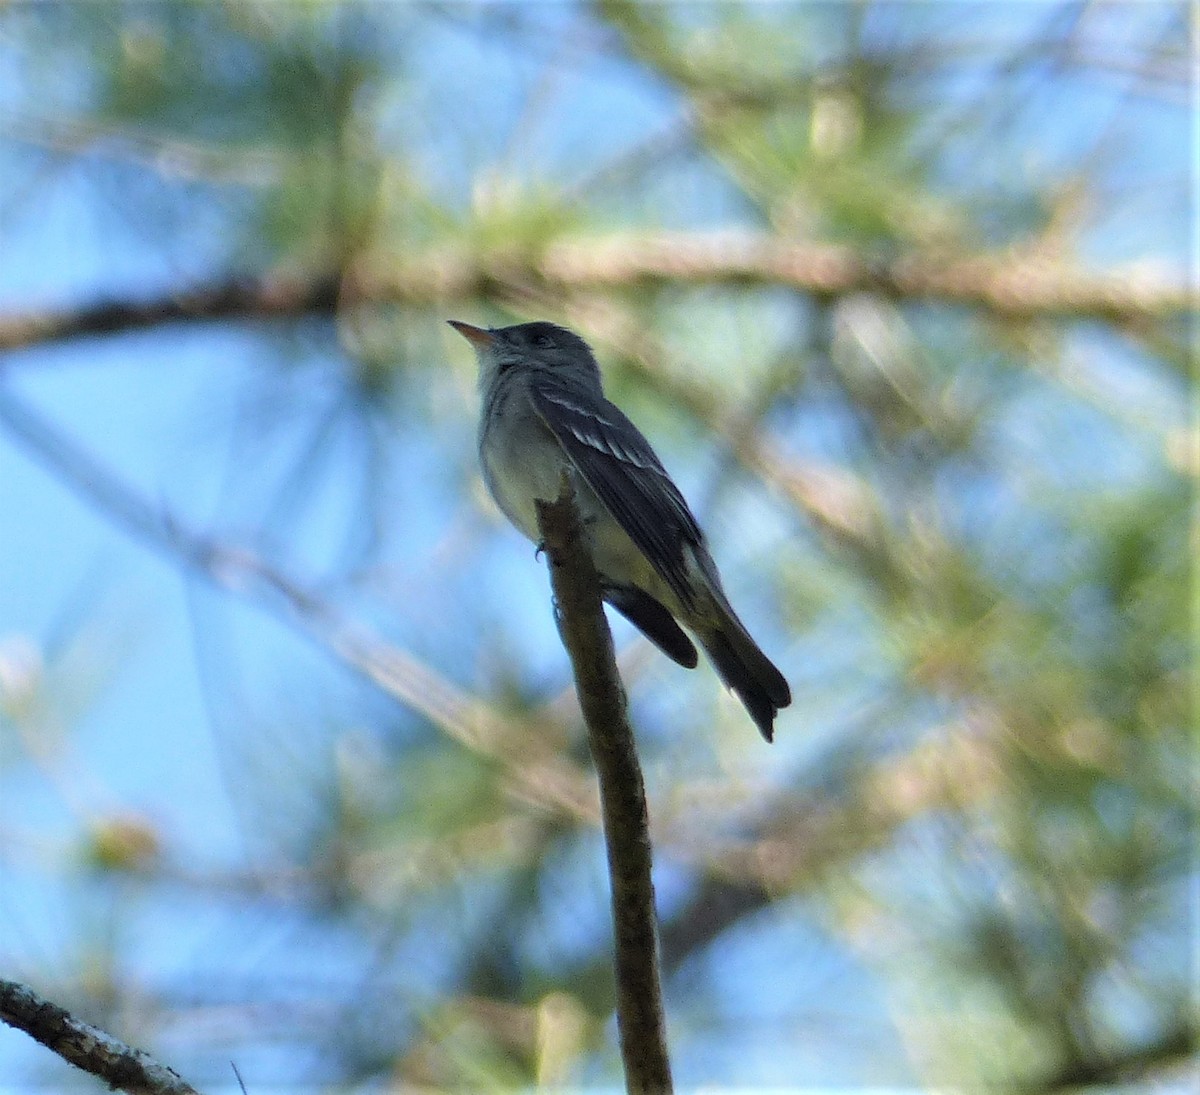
x=588 y=640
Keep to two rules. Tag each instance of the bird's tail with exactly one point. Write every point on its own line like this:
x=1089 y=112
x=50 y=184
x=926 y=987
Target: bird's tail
x=746 y=670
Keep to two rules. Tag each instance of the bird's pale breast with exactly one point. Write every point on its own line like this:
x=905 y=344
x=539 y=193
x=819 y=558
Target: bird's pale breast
x=522 y=462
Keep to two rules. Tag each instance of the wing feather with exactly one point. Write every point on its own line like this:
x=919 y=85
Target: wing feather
x=618 y=463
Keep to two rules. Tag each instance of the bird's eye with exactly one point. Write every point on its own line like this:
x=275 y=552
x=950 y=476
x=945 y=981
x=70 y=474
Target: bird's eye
x=545 y=341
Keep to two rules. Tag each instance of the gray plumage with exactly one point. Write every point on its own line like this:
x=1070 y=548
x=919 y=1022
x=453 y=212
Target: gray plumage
x=544 y=409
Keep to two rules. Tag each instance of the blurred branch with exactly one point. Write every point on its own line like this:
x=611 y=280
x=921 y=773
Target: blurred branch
x=1129 y=1066
x=87 y=1047
x=588 y=640
x=240 y=298
x=1006 y=285
x=550 y=782
x=162 y=153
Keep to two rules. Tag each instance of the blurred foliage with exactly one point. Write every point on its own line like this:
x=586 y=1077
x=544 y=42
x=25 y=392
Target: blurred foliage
x=967 y=861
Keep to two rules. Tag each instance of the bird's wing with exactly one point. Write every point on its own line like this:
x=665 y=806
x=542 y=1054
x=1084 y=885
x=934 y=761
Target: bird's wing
x=618 y=463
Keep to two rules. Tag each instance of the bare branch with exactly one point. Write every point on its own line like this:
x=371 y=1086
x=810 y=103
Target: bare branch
x=239 y=298
x=588 y=640
x=87 y=1047
x=1007 y=285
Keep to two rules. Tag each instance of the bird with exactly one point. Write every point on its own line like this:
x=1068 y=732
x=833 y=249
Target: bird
x=543 y=411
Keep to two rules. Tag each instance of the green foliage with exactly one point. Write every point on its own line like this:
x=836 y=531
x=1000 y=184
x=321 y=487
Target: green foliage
x=967 y=538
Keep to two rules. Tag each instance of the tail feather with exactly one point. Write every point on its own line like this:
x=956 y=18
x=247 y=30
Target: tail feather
x=748 y=672
x=654 y=621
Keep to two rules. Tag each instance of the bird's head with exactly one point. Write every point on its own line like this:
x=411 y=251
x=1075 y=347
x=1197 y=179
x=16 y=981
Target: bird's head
x=540 y=347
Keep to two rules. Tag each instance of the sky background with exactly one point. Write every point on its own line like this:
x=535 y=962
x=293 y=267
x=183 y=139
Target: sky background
x=163 y=688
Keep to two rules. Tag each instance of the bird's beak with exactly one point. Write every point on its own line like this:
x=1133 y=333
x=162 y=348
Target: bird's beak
x=477 y=336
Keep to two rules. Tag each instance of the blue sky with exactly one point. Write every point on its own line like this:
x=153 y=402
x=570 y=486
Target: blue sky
x=153 y=677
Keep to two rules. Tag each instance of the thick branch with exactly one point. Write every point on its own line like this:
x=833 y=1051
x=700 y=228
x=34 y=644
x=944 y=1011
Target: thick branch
x=238 y=298
x=588 y=640
x=1009 y=285
x=1006 y=285
x=87 y=1047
